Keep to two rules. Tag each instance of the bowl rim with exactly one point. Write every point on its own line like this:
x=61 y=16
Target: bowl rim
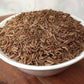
x=33 y=67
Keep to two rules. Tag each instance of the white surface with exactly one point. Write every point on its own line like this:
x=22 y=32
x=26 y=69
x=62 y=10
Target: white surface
x=40 y=70
x=75 y=7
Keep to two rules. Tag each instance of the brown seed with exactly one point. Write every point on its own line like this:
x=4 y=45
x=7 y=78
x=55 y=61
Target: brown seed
x=43 y=37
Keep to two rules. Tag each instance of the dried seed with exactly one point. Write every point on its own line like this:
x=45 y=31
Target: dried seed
x=43 y=37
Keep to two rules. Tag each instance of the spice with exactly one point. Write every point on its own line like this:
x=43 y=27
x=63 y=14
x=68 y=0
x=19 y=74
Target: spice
x=45 y=37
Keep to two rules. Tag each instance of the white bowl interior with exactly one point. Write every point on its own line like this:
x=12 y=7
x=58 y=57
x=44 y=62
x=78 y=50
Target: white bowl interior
x=33 y=67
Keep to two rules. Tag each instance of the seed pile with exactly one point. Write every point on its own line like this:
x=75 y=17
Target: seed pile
x=45 y=37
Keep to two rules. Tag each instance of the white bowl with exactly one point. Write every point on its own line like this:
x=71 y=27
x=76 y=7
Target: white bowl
x=41 y=70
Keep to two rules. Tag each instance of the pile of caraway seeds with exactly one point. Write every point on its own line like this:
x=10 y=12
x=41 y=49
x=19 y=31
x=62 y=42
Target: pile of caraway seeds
x=44 y=37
